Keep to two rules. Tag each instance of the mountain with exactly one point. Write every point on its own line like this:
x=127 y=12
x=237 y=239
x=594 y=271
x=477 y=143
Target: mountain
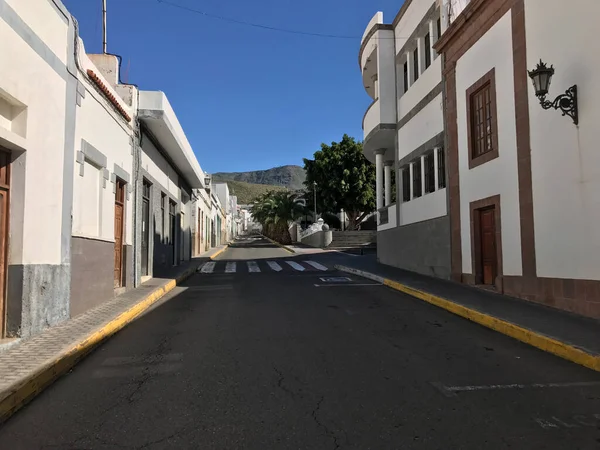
x=247 y=192
x=290 y=177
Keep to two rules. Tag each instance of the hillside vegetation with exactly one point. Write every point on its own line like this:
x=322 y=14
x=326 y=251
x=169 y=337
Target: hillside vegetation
x=291 y=177
x=248 y=192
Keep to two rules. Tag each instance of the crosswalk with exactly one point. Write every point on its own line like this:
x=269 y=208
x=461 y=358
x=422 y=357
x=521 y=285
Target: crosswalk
x=261 y=266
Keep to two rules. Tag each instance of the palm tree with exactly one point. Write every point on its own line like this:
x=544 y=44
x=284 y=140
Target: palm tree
x=275 y=211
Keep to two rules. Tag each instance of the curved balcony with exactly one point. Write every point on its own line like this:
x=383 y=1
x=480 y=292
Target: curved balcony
x=376 y=38
x=379 y=128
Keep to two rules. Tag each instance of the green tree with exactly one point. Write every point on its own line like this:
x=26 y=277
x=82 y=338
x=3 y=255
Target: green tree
x=345 y=180
x=275 y=211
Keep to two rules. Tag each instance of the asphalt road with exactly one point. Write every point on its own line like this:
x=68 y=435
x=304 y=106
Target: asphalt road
x=269 y=360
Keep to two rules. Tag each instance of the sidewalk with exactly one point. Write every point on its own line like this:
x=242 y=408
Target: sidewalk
x=566 y=335
x=30 y=366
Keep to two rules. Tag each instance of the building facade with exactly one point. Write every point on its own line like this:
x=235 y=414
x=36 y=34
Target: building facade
x=98 y=191
x=523 y=180
x=404 y=136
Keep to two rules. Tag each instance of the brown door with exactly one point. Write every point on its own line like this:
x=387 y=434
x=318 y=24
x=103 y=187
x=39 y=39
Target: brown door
x=487 y=223
x=4 y=195
x=119 y=218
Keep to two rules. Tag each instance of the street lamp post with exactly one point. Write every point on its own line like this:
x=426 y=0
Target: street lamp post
x=315 y=205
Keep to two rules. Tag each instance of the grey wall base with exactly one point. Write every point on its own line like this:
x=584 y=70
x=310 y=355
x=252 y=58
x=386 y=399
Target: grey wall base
x=37 y=297
x=93 y=273
x=422 y=247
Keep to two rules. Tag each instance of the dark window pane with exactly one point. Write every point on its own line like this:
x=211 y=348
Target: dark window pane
x=417 y=188
x=441 y=169
x=406 y=184
x=416 y=63
x=406 y=76
x=429 y=173
x=439 y=27
x=427 y=50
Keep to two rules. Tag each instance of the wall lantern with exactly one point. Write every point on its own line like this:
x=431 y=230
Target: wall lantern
x=567 y=102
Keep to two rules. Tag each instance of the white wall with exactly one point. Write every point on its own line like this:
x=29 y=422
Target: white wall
x=410 y=20
x=426 y=207
x=102 y=127
x=29 y=81
x=428 y=123
x=391 y=219
x=498 y=176
x=429 y=79
x=565 y=158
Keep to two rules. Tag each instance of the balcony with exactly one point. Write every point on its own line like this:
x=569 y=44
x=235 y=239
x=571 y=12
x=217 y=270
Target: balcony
x=379 y=128
x=387 y=217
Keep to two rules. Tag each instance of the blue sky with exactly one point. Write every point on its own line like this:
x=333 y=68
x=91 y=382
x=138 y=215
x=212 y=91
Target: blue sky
x=247 y=98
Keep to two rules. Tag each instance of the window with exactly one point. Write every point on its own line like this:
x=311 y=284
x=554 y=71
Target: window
x=481 y=120
x=429 y=173
x=417 y=188
x=146 y=189
x=406 y=184
x=405 y=76
x=163 y=201
x=416 y=64
x=441 y=168
x=438 y=24
x=171 y=222
x=427 y=50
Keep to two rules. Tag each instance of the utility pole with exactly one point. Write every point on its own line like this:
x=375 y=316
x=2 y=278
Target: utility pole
x=315 y=190
x=104 y=47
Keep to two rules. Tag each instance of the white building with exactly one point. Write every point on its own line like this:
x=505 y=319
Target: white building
x=97 y=193
x=404 y=136
x=524 y=202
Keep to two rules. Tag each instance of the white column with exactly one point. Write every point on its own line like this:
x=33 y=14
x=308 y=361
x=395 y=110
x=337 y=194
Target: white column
x=421 y=51
x=433 y=37
x=388 y=182
x=423 y=175
x=411 y=177
x=435 y=167
x=410 y=65
x=379 y=177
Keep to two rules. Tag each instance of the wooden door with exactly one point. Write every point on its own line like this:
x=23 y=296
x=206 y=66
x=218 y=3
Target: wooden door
x=119 y=218
x=4 y=213
x=489 y=257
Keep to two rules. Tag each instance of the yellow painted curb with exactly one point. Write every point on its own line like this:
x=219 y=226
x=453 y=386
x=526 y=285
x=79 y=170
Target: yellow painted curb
x=538 y=340
x=219 y=252
x=28 y=389
x=278 y=244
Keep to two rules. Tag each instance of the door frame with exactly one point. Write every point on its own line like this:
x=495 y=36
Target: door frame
x=475 y=209
x=4 y=236
x=119 y=181
x=146 y=182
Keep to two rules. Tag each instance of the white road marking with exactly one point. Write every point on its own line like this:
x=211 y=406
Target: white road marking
x=340 y=285
x=230 y=267
x=316 y=265
x=208 y=267
x=295 y=265
x=451 y=390
x=274 y=266
x=253 y=267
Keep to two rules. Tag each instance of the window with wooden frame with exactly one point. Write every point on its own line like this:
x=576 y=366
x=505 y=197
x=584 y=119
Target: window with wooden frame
x=482 y=120
x=429 y=173
x=427 y=50
x=441 y=156
x=416 y=64
x=417 y=187
x=406 y=184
